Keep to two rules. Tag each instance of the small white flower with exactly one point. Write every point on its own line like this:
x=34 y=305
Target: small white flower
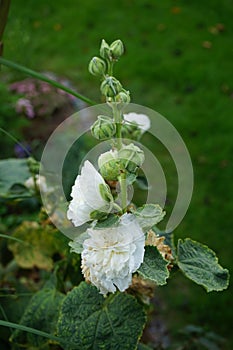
x=142 y=120
x=40 y=182
x=87 y=196
x=112 y=254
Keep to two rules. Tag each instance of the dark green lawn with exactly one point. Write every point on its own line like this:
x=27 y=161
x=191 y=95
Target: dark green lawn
x=178 y=61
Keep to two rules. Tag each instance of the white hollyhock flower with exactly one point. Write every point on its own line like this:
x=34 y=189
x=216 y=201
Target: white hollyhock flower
x=89 y=193
x=39 y=182
x=142 y=120
x=112 y=254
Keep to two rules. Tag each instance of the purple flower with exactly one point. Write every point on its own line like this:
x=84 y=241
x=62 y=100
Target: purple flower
x=23 y=105
x=22 y=150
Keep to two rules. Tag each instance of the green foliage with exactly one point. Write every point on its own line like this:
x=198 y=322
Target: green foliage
x=154 y=267
x=143 y=347
x=9 y=121
x=199 y=107
x=39 y=245
x=197 y=338
x=13 y=174
x=41 y=313
x=90 y=321
x=200 y=264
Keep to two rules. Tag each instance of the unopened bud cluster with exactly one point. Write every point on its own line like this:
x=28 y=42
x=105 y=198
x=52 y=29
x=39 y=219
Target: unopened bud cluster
x=102 y=66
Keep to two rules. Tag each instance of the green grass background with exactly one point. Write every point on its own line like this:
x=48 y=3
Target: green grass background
x=166 y=68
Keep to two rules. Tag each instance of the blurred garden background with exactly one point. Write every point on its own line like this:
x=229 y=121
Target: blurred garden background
x=179 y=62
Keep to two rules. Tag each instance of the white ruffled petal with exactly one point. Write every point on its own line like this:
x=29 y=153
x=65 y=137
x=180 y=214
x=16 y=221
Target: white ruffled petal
x=111 y=255
x=142 y=120
x=86 y=196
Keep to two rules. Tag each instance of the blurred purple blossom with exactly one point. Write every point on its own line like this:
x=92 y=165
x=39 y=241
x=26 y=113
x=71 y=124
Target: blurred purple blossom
x=40 y=99
x=22 y=150
x=24 y=106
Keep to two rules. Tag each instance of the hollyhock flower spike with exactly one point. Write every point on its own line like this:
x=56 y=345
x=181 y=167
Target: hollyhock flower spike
x=89 y=193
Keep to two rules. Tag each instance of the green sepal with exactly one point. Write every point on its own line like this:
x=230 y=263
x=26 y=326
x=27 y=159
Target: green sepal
x=200 y=264
x=105 y=192
x=98 y=215
x=111 y=221
x=154 y=267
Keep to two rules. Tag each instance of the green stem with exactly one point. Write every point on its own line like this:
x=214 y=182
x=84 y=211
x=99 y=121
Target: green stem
x=123 y=191
x=4 y=9
x=42 y=77
x=118 y=122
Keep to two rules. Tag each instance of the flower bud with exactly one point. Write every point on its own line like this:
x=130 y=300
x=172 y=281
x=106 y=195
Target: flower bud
x=110 y=87
x=104 y=50
x=109 y=165
x=33 y=165
x=104 y=128
x=123 y=97
x=131 y=157
x=116 y=49
x=97 y=66
x=131 y=131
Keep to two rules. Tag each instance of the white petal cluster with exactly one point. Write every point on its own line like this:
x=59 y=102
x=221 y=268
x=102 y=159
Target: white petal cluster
x=142 y=120
x=39 y=182
x=86 y=196
x=112 y=254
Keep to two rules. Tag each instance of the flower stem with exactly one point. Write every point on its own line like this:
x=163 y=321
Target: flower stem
x=118 y=122
x=123 y=191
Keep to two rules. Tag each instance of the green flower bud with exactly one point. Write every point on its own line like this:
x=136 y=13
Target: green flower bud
x=104 y=50
x=131 y=131
x=110 y=87
x=123 y=97
x=116 y=49
x=97 y=66
x=33 y=165
x=131 y=157
x=104 y=128
x=109 y=165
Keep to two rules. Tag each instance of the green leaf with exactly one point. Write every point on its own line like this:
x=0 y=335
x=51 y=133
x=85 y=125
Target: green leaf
x=41 y=314
x=77 y=244
x=93 y=322
x=13 y=174
x=40 y=243
x=154 y=267
x=200 y=264
x=149 y=215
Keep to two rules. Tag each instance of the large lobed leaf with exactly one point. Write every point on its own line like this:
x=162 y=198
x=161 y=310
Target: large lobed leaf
x=36 y=244
x=200 y=264
x=154 y=267
x=42 y=314
x=13 y=174
x=93 y=322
